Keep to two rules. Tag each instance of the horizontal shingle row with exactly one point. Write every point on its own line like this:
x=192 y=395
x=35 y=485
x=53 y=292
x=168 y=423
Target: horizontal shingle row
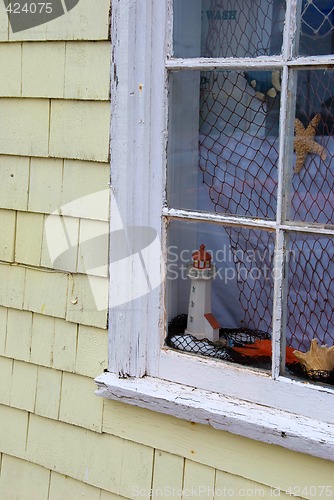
x=38 y=483
x=77 y=298
x=52 y=342
x=55 y=128
x=62 y=70
x=70 y=187
x=54 y=242
x=86 y=21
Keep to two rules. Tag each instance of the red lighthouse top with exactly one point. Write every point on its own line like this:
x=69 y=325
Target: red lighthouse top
x=201 y=258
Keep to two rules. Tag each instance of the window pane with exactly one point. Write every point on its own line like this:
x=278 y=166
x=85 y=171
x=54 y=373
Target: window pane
x=223 y=142
x=310 y=303
x=311 y=185
x=228 y=28
x=223 y=292
x=317 y=27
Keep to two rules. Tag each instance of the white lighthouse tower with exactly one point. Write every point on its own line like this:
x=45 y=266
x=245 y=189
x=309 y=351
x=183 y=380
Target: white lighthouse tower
x=201 y=322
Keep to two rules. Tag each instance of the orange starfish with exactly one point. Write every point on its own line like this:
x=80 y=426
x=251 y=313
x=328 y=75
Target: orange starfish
x=263 y=348
x=304 y=142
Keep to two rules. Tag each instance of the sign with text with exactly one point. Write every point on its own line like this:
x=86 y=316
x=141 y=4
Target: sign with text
x=25 y=14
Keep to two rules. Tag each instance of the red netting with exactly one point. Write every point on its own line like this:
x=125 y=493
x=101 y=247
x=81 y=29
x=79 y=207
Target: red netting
x=312 y=188
x=238 y=152
x=237 y=29
x=239 y=144
x=310 y=290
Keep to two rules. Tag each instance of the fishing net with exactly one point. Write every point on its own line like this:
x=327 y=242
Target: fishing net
x=238 y=158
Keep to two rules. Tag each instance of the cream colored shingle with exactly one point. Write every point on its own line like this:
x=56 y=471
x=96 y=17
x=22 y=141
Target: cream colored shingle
x=168 y=472
x=88 y=300
x=199 y=478
x=237 y=486
x=24 y=126
x=65 y=345
x=46 y=292
x=3 y=329
x=43 y=330
x=14 y=171
x=3 y=23
x=6 y=369
x=92 y=352
x=93 y=255
x=48 y=392
x=10 y=64
x=19 y=327
x=79 y=453
x=78 y=404
x=106 y=495
x=23 y=480
x=87 y=21
x=13 y=431
x=46 y=176
x=24 y=382
x=136 y=473
x=11 y=285
x=87 y=72
x=29 y=230
x=7 y=234
x=64 y=487
x=79 y=130
x=86 y=189
x=60 y=243
x=34 y=33
x=43 y=68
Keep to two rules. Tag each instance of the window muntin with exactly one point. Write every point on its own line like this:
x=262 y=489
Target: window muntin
x=298 y=94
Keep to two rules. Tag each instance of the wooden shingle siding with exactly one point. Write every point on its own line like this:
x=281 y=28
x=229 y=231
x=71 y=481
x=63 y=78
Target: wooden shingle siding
x=87 y=21
x=39 y=483
x=57 y=439
x=52 y=342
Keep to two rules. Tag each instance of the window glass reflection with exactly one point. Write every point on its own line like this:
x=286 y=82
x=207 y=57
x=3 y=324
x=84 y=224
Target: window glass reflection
x=317 y=27
x=228 y=28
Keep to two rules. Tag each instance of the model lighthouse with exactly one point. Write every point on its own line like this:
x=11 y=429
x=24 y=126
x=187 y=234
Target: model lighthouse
x=201 y=322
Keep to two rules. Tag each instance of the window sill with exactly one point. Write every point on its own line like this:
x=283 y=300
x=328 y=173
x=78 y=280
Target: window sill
x=254 y=421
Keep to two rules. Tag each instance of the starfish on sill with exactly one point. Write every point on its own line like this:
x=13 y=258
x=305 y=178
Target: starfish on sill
x=304 y=142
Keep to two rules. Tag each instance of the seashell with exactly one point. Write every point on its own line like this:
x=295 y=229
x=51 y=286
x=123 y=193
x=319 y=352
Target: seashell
x=317 y=358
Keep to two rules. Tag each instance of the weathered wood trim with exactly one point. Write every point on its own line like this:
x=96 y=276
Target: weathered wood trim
x=234 y=220
x=248 y=384
x=231 y=63
x=136 y=179
x=261 y=423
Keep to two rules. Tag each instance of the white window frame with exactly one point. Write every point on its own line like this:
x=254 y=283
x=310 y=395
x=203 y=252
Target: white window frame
x=142 y=371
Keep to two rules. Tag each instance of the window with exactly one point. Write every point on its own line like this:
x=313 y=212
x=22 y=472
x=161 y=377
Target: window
x=210 y=98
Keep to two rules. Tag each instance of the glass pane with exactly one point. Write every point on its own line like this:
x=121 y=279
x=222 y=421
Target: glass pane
x=219 y=298
x=228 y=28
x=312 y=179
x=310 y=306
x=317 y=27
x=223 y=142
